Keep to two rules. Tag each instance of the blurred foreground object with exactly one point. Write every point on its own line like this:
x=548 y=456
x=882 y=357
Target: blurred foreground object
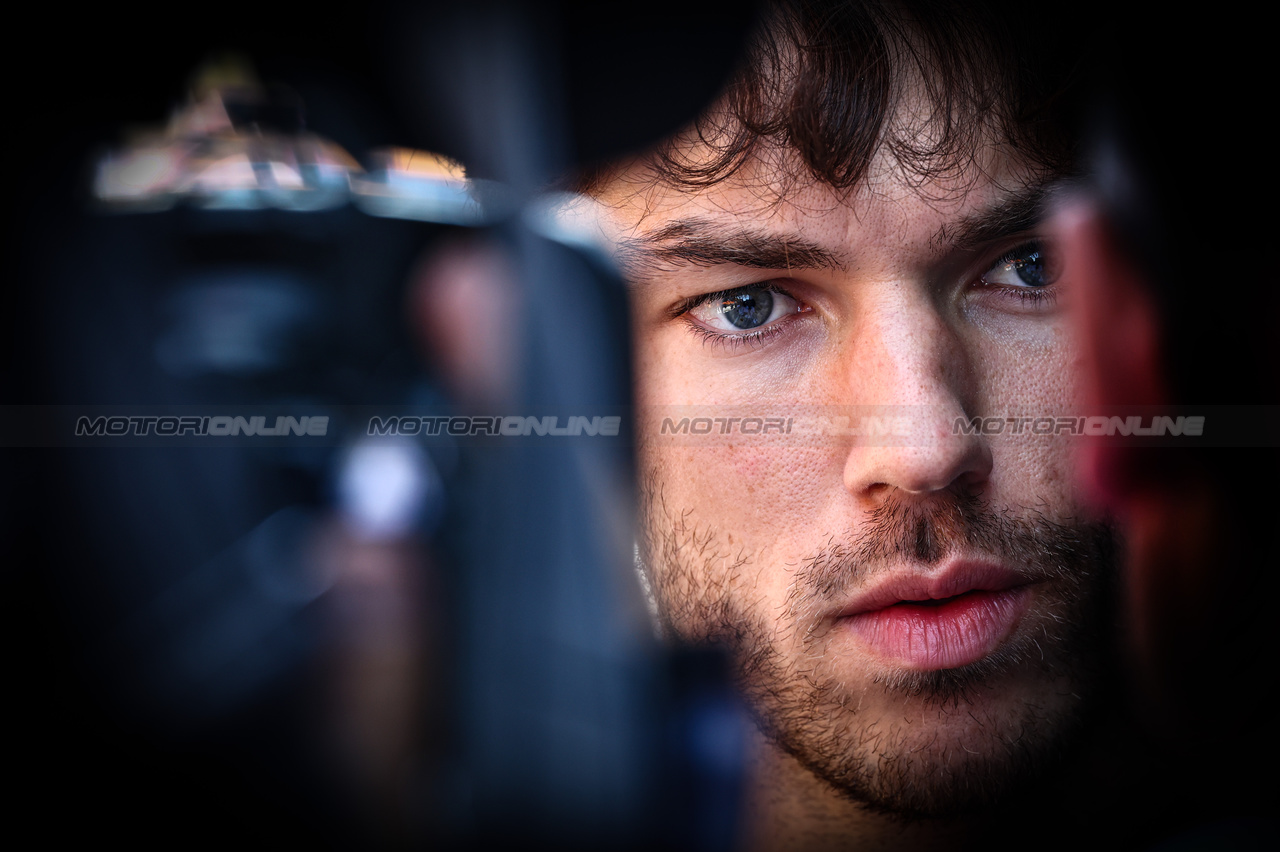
x=266 y=637
x=238 y=146
x=1148 y=242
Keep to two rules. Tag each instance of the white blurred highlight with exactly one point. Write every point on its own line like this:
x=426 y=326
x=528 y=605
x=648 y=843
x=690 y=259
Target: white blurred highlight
x=386 y=489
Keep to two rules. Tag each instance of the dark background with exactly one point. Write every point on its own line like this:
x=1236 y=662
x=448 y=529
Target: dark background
x=1197 y=93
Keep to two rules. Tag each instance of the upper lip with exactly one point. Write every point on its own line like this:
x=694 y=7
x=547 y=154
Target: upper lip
x=954 y=578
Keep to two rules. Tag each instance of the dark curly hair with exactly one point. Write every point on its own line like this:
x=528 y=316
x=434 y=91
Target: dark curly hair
x=823 y=81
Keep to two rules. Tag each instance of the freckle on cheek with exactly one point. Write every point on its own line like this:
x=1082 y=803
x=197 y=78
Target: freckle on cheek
x=750 y=464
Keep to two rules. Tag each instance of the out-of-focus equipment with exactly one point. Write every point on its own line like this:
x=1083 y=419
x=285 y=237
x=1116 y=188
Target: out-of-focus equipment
x=472 y=596
x=238 y=146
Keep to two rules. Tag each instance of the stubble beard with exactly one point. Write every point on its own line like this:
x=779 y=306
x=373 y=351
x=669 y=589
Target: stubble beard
x=967 y=738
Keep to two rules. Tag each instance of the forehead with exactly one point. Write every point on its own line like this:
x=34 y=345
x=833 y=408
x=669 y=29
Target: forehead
x=891 y=210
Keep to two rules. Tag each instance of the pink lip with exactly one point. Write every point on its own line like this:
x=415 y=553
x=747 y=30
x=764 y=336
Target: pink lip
x=983 y=603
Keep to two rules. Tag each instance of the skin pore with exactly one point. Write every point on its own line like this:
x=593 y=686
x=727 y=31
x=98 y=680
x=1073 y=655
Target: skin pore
x=927 y=301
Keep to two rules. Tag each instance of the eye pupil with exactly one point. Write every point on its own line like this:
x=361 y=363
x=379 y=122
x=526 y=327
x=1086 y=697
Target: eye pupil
x=749 y=308
x=1030 y=269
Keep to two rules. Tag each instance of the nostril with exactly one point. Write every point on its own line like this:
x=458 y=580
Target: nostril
x=971 y=483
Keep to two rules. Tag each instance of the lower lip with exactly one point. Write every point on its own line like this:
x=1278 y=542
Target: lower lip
x=959 y=632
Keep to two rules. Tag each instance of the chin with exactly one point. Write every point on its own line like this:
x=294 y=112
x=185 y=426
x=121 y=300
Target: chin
x=923 y=758
x=928 y=744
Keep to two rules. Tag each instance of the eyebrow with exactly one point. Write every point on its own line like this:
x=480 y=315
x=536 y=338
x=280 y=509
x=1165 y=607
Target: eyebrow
x=703 y=242
x=1022 y=211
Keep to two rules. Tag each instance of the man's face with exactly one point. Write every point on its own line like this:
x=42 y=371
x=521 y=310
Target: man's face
x=921 y=304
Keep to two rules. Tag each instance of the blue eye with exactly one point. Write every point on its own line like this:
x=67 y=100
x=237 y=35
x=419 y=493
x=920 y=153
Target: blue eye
x=744 y=309
x=1028 y=266
x=748 y=308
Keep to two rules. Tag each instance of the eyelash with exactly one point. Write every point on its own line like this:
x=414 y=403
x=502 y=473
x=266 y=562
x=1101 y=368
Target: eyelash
x=748 y=339
x=1046 y=295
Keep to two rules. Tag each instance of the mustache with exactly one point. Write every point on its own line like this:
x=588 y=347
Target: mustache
x=902 y=530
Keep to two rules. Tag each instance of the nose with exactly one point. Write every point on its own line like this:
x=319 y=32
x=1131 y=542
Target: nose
x=906 y=362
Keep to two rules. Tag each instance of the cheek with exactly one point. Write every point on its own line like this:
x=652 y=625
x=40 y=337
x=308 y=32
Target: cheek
x=740 y=519
x=1030 y=380
x=1031 y=364
x=1036 y=471
x=735 y=486
x=758 y=490
x=676 y=367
